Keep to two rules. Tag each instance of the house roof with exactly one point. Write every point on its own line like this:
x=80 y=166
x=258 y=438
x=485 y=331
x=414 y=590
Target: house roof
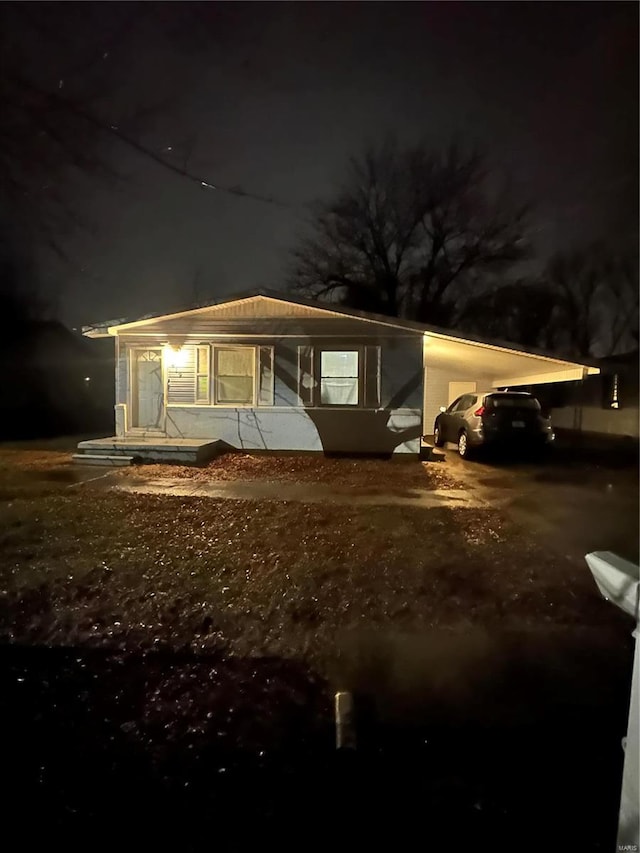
x=112 y=326
x=444 y=340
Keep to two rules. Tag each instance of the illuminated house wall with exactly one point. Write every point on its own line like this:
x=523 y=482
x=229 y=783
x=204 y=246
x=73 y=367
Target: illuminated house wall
x=268 y=372
x=287 y=412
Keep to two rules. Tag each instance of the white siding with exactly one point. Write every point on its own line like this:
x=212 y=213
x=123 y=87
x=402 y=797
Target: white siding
x=457 y=389
x=121 y=419
x=357 y=431
x=437 y=381
x=257 y=307
x=391 y=422
x=122 y=373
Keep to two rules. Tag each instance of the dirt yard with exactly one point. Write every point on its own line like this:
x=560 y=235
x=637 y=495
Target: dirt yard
x=83 y=564
x=396 y=474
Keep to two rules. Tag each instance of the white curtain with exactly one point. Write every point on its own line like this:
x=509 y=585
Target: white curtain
x=339 y=391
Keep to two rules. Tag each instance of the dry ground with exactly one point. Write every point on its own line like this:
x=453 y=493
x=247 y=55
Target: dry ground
x=169 y=662
x=83 y=564
x=396 y=474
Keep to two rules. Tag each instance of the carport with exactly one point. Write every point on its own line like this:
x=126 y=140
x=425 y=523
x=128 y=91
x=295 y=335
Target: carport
x=455 y=365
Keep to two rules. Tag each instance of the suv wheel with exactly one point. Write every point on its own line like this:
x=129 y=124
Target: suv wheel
x=463 y=445
x=437 y=437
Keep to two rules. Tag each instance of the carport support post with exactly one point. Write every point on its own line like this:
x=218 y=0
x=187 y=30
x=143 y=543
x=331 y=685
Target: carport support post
x=578 y=409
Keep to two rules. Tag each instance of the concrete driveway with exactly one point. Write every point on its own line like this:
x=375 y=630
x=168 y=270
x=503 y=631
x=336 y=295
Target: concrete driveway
x=578 y=506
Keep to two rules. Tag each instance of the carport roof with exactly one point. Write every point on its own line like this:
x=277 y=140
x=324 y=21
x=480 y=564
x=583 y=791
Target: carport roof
x=444 y=346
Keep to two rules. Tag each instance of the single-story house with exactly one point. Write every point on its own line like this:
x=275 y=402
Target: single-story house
x=273 y=371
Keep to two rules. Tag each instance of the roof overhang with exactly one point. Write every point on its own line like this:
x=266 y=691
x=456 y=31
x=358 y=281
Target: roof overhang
x=503 y=363
x=102 y=330
x=502 y=366
x=312 y=308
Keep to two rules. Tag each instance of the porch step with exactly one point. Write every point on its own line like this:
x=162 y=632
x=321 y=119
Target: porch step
x=182 y=451
x=89 y=449
x=101 y=459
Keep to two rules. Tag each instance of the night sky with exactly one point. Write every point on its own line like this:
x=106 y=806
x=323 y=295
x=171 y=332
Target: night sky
x=275 y=97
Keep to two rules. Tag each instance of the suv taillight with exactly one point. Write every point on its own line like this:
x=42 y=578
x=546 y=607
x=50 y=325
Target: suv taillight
x=479 y=412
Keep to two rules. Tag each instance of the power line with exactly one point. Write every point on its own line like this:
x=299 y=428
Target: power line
x=70 y=106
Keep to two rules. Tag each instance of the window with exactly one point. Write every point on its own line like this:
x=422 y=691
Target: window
x=205 y=375
x=203 y=384
x=180 y=367
x=455 y=406
x=234 y=375
x=515 y=401
x=465 y=403
x=339 y=377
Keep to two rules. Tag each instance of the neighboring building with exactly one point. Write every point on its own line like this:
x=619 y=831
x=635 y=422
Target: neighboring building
x=601 y=405
x=267 y=371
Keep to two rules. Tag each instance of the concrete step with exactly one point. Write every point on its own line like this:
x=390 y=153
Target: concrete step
x=104 y=450
x=101 y=459
x=180 y=451
x=147 y=453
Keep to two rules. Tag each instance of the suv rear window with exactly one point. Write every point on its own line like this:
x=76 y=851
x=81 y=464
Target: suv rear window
x=500 y=401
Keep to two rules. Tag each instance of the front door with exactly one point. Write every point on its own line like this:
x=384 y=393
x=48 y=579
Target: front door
x=148 y=392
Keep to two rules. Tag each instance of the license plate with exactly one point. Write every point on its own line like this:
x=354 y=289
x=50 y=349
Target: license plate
x=517 y=424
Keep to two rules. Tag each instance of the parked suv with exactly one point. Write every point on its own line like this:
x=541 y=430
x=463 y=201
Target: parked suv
x=495 y=417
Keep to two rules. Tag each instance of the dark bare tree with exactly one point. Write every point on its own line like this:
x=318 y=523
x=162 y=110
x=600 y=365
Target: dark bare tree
x=585 y=304
x=596 y=296
x=411 y=233
x=524 y=311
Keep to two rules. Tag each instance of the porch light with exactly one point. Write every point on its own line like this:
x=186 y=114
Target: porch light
x=175 y=357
